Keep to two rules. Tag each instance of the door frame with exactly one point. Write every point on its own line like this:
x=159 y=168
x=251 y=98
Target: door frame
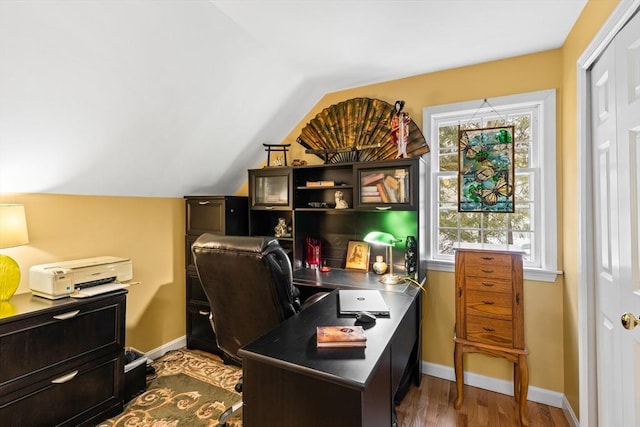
x=586 y=279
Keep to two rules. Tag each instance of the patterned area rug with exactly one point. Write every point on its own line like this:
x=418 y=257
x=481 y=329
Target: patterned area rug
x=189 y=388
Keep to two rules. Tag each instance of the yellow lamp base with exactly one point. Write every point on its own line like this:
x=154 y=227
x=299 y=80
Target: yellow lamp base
x=9 y=277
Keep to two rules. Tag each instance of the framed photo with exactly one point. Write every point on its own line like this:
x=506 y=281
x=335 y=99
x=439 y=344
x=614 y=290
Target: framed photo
x=486 y=170
x=357 y=255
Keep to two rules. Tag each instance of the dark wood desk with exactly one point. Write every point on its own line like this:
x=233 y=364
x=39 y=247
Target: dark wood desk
x=290 y=382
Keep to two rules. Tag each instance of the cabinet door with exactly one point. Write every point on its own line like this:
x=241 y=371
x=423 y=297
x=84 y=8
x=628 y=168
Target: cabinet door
x=271 y=188
x=387 y=185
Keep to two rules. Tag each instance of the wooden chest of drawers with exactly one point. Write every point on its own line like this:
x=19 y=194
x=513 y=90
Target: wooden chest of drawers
x=490 y=313
x=62 y=361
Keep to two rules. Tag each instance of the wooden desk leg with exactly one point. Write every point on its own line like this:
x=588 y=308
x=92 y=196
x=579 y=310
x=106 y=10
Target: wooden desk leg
x=457 y=365
x=524 y=387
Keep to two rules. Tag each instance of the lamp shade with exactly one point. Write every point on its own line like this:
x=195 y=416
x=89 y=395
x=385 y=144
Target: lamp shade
x=381 y=238
x=13 y=226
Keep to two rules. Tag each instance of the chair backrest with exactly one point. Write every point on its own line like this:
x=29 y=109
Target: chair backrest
x=248 y=282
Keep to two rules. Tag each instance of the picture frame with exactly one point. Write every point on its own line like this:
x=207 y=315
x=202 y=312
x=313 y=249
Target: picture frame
x=486 y=170
x=357 y=255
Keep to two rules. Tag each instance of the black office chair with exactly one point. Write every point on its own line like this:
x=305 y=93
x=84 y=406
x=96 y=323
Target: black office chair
x=249 y=284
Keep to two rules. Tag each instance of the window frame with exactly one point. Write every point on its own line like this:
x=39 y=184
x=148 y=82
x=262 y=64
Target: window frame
x=545 y=192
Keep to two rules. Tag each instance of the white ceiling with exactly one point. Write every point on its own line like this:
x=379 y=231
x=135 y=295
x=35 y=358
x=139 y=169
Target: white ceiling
x=169 y=97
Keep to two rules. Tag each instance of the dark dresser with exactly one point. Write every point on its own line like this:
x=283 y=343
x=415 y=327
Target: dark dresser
x=62 y=362
x=208 y=214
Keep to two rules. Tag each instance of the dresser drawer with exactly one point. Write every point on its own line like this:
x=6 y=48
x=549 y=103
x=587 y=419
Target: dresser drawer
x=488 y=271
x=68 y=399
x=42 y=345
x=488 y=284
x=490 y=331
x=195 y=292
x=490 y=259
x=490 y=304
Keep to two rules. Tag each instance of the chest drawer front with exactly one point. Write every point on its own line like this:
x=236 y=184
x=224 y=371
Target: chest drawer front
x=490 y=259
x=490 y=304
x=37 y=346
x=90 y=392
x=490 y=331
x=488 y=271
x=488 y=285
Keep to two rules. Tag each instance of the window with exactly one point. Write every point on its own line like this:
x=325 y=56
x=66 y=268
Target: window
x=533 y=225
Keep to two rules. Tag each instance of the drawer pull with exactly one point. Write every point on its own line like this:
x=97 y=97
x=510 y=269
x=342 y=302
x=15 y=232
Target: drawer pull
x=488 y=329
x=383 y=208
x=269 y=208
x=63 y=379
x=204 y=202
x=487 y=271
x=204 y=313
x=66 y=316
x=487 y=284
x=488 y=302
x=487 y=258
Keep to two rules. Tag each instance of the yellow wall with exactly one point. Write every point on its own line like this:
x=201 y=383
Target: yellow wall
x=593 y=17
x=150 y=231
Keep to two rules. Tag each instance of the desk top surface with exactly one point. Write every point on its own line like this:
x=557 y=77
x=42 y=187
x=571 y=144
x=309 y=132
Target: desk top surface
x=292 y=345
x=348 y=279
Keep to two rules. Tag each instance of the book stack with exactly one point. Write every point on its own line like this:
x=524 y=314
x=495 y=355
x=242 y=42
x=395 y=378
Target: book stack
x=340 y=336
x=378 y=187
x=320 y=183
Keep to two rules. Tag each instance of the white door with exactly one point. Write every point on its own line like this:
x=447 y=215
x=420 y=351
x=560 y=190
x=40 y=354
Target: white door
x=615 y=117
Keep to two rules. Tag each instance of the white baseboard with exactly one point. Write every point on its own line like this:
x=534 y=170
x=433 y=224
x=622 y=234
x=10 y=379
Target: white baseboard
x=568 y=412
x=172 y=345
x=535 y=394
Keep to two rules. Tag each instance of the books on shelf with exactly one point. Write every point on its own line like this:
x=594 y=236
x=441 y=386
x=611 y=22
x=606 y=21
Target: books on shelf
x=320 y=183
x=340 y=336
x=372 y=178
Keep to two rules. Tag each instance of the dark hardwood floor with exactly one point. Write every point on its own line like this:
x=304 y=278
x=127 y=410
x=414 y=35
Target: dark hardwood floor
x=432 y=405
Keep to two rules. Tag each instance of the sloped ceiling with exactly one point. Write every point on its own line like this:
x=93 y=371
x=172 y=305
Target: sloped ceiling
x=164 y=98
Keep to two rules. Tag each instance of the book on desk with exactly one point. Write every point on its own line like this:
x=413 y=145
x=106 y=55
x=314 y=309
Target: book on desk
x=340 y=336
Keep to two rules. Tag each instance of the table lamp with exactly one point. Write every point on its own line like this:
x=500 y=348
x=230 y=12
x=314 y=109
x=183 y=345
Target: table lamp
x=385 y=239
x=13 y=232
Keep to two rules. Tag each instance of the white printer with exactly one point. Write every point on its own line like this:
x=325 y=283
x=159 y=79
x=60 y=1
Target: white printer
x=61 y=279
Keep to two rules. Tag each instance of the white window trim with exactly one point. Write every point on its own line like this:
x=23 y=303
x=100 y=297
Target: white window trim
x=548 y=223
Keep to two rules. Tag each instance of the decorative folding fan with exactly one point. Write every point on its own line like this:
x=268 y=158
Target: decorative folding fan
x=358 y=129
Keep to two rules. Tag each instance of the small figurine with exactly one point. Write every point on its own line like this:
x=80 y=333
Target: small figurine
x=281 y=228
x=400 y=129
x=340 y=202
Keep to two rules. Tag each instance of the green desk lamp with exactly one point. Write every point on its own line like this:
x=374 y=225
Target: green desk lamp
x=385 y=239
x=13 y=232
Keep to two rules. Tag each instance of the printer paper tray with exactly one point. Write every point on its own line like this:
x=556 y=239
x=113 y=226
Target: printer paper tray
x=98 y=289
